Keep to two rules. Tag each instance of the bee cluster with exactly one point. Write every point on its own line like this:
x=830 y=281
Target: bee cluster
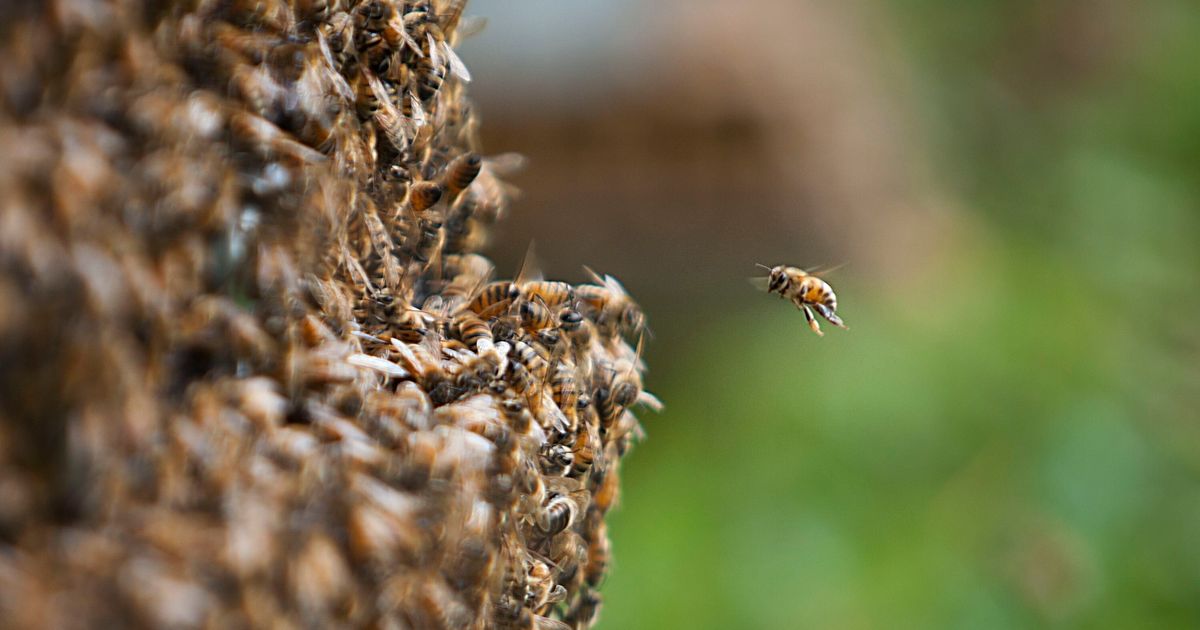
x=252 y=370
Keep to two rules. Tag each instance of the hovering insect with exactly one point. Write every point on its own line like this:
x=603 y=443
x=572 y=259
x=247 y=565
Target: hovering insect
x=807 y=292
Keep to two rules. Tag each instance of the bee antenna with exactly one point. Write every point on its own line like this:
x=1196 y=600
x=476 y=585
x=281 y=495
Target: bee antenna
x=762 y=266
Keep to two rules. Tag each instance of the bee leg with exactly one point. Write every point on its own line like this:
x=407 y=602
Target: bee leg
x=828 y=314
x=812 y=319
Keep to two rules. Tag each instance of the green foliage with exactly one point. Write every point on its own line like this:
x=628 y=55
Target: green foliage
x=1007 y=442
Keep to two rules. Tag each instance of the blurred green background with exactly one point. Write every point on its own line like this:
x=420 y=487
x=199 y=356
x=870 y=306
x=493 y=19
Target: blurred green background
x=1008 y=435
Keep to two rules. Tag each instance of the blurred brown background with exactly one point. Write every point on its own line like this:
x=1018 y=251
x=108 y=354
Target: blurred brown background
x=1007 y=436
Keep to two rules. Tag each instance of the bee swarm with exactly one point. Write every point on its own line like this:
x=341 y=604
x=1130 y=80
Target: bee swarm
x=252 y=371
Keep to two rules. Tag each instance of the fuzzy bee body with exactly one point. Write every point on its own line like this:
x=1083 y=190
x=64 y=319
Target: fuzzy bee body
x=807 y=292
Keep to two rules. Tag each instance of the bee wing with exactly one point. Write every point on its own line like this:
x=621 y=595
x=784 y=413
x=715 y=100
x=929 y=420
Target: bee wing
x=593 y=275
x=383 y=366
x=825 y=269
x=418 y=110
x=435 y=51
x=759 y=282
x=397 y=24
x=394 y=125
x=528 y=271
x=340 y=86
x=505 y=163
x=456 y=65
x=471 y=25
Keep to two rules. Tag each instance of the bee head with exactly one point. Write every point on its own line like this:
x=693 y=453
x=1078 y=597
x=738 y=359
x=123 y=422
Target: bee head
x=778 y=281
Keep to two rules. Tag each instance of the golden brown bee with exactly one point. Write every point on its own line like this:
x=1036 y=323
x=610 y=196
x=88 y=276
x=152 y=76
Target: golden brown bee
x=494 y=298
x=471 y=330
x=610 y=306
x=564 y=389
x=535 y=316
x=807 y=292
x=585 y=452
x=528 y=357
x=459 y=174
x=550 y=294
x=423 y=195
x=539 y=586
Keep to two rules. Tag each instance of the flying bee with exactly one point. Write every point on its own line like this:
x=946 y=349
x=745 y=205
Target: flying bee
x=807 y=292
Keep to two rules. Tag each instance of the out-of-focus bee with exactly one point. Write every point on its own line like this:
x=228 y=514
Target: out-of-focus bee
x=423 y=195
x=519 y=418
x=494 y=297
x=585 y=610
x=382 y=243
x=540 y=588
x=425 y=363
x=807 y=292
x=599 y=553
x=424 y=243
x=459 y=174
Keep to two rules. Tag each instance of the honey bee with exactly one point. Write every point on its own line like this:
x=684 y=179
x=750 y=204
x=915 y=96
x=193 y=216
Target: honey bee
x=528 y=357
x=535 y=316
x=807 y=292
x=585 y=453
x=550 y=294
x=564 y=389
x=540 y=588
x=610 y=306
x=495 y=297
x=423 y=195
x=471 y=330
x=556 y=459
x=584 y=612
x=560 y=512
x=459 y=174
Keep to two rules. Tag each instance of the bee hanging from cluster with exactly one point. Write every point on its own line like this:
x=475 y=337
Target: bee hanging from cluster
x=291 y=389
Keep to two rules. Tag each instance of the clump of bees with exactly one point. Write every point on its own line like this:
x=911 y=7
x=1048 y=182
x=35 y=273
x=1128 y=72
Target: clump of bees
x=253 y=369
